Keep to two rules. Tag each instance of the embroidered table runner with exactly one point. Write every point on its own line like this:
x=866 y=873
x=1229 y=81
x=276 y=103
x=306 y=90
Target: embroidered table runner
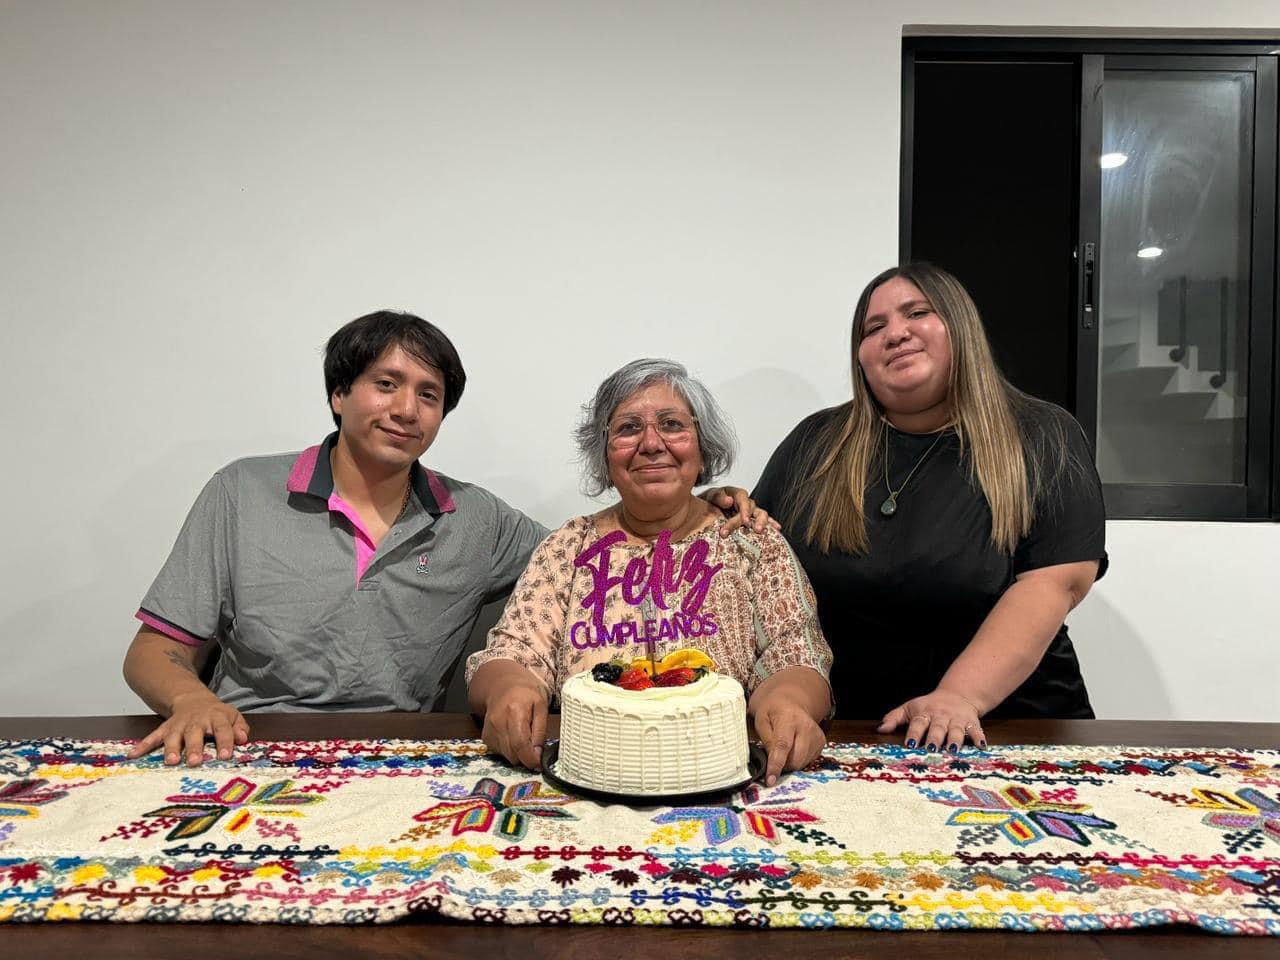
x=1015 y=838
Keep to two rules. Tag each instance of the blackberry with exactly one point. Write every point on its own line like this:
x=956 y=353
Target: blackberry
x=606 y=672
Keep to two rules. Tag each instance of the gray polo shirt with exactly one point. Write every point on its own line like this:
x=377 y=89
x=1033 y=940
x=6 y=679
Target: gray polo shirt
x=277 y=569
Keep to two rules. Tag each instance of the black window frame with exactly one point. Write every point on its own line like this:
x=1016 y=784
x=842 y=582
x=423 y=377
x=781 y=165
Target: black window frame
x=1258 y=498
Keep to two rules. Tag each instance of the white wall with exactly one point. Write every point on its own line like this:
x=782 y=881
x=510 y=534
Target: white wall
x=194 y=195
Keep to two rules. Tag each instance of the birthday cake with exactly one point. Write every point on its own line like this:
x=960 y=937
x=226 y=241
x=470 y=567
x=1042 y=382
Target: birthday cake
x=670 y=727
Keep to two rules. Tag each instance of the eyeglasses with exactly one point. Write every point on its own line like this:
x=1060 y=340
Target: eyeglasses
x=672 y=428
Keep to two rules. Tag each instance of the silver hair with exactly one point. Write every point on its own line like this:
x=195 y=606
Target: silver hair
x=717 y=441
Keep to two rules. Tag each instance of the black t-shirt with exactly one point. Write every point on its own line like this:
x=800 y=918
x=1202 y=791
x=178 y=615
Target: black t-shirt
x=899 y=615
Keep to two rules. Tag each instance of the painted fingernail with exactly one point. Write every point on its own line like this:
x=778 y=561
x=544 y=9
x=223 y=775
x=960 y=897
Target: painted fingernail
x=982 y=744
x=933 y=747
x=911 y=744
x=952 y=748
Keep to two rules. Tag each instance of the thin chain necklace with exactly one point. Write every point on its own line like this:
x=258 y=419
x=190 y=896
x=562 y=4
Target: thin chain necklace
x=890 y=505
x=404 y=504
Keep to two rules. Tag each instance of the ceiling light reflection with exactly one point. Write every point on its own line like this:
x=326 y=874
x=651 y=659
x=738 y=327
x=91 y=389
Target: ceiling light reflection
x=1110 y=161
x=1150 y=253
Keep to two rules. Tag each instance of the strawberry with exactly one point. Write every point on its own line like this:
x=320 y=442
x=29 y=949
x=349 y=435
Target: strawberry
x=634 y=680
x=675 y=677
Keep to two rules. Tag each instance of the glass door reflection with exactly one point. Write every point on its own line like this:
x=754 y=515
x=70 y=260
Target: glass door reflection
x=1177 y=193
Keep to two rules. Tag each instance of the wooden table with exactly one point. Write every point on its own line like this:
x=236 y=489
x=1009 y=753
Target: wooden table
x=447 y=939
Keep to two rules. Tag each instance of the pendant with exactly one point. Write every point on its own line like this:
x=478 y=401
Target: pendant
x=889 y=507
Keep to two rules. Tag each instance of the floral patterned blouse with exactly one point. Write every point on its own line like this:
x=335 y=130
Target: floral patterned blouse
x=743 y=599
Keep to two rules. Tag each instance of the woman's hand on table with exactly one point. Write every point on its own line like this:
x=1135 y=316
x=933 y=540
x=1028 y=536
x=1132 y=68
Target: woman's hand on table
x=791 y=737
x=784 y=709
x=195 y=716
x=515 y=724
x=940 y=720
x=745 y=512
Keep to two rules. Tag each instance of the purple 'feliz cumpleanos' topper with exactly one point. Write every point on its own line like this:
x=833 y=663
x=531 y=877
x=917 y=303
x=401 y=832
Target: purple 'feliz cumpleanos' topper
x=643 y=580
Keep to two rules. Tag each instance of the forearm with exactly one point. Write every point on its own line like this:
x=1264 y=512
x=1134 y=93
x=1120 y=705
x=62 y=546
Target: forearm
x=799 y=685
x=498 y=676
x=160 y=670
x=1010 y=643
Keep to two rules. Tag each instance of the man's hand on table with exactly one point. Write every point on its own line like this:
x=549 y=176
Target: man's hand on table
x=195 y=715
x=166 y=674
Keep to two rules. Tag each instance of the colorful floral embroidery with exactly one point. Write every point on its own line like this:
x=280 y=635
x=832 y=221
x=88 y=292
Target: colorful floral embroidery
x=21 y=798
x=759 y=816
x=1249 y=817
x=490 y=805
x=1019 y=814
x=1015 y=838
x=238 y=799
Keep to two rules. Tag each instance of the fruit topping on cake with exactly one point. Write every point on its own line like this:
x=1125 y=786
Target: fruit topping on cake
x=635 y=679
x=677 y=677
x=607 y=672
x=643 y=663
x=688 y=657
x=677 y=669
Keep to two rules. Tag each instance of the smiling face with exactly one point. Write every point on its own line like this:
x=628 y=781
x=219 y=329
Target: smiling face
x=391 y=413
x=654 y=473
x=905 y=352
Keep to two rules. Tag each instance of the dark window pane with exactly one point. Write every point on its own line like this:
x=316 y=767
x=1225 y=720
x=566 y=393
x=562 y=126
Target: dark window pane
x=993 y=201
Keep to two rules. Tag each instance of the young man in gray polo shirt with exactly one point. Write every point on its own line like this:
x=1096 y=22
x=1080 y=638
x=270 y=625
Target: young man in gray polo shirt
x=346 y=577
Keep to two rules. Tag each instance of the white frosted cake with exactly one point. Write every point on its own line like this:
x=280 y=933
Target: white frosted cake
x=660 y=740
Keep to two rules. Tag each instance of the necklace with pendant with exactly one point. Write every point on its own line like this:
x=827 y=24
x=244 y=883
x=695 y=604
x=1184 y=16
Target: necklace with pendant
x=890 y=505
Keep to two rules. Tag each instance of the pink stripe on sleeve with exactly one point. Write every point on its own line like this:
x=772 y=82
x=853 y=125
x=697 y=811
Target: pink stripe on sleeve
x=169 y=630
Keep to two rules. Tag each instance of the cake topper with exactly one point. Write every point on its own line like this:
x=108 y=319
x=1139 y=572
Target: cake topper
x=649 y=584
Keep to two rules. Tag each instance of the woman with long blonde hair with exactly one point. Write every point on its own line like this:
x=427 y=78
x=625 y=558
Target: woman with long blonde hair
x=947 y=521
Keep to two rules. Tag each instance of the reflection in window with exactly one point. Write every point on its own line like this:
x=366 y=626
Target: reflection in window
x=1176 y=212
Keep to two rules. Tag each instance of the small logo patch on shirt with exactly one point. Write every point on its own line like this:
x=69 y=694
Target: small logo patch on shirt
x=422 y=563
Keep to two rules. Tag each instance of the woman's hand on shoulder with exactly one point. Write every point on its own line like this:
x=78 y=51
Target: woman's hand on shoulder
x=741 y=509
x=940 y=720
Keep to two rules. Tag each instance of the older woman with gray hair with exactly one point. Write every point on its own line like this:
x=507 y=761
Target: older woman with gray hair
x=652 y=432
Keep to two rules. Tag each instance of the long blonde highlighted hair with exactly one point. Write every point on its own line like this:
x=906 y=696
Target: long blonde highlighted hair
x=827 y=504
